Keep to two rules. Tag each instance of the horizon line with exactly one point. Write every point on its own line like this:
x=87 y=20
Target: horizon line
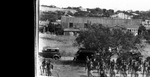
x=92 y=8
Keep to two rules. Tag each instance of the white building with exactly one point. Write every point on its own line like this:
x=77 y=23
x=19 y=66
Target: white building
x=43 y=23
x=146 y=23
x=135 y=14
x=83 y=9
x=122 y=15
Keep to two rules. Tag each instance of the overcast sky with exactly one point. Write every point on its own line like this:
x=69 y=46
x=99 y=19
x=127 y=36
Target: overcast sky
x=142 y=5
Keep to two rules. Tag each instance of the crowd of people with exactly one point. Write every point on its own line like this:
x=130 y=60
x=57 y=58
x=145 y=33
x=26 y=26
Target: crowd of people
x=132 y=65
x=46 y=67
x=123 y=65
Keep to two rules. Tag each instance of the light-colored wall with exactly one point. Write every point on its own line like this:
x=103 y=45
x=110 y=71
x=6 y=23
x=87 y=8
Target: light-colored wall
x=79 y=22
x=122 y=16
x=43 y=22
x=146 y=23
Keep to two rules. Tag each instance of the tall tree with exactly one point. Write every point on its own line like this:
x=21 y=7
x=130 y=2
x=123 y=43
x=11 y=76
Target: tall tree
x=100 y=37
x=51 y=16
x=141 y=30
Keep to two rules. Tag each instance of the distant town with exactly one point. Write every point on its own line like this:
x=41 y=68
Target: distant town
x=93 y=42
x=69 y=17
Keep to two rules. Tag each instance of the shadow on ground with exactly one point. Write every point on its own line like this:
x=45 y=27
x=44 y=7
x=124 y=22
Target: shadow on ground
x=83 y=76
x=48 y=38
x=70 y=62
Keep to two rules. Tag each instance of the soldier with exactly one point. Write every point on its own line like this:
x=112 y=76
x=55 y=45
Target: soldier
x=144 y=67
x=90 y=67
x=148 y=70
x=102 y=73
x=42 y=67
x=136 y=67
x=112 y=65
x=49 y=68
x=87 y=62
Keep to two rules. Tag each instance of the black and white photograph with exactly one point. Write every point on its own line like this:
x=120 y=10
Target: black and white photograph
x=92 y=38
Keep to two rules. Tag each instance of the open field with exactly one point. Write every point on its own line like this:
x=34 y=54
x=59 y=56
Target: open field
x=64 y=43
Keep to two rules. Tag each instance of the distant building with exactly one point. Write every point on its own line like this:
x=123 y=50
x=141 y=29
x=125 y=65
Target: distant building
x=43 y=23
x=83 y=9
x=122 y=15
x=76 y=24
x=56 y=22
x=135 y=14
x=146 y=23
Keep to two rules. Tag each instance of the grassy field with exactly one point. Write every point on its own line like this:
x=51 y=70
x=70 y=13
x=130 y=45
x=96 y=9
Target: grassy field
x=64 y=43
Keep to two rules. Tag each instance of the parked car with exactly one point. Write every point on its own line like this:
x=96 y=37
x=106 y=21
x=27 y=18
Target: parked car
x=48 y=52
x=82 y=54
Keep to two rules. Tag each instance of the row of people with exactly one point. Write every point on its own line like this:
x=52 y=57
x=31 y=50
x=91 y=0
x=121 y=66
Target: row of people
x=123 y=66
x=46 y=67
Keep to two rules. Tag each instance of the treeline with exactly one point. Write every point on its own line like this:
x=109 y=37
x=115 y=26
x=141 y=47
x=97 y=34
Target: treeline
x=144 y=33
x=98 y=12
x=142 y=15
x=95 y=12
x=51 y=16
x=99 y=37
x=52 y=28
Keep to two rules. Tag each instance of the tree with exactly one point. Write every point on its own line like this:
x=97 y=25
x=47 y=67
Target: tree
x=58 y=29
x=142 y=30
x=147 y=36
x=55 y=28
x=99 y=37
x=59 y=14
x=51 y=28
x=142 y=15
x=51 y=16
x=90 y=38
x=81 y=13
x=110 y=12
x=70 y=13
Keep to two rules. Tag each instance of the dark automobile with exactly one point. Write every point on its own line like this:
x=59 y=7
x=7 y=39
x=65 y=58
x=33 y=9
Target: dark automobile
x=82 y=54
x=50 y=53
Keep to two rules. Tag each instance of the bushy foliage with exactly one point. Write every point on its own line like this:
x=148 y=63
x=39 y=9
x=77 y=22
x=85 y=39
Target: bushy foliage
x=100 y=37
x=145 y=34
x=56 y=29
x=142 y=15
x=51 y=16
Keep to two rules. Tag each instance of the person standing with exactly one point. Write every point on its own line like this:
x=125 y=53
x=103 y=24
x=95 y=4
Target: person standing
x=49 y=68
x=42 y=67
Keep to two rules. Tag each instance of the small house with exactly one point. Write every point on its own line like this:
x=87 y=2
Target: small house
x=122 y=15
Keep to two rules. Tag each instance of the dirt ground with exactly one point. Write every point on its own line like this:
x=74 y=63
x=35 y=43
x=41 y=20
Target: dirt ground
x=64 y=43
x=65 y=67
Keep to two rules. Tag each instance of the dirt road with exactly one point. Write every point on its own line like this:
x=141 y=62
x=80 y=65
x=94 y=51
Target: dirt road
x=65 y=67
